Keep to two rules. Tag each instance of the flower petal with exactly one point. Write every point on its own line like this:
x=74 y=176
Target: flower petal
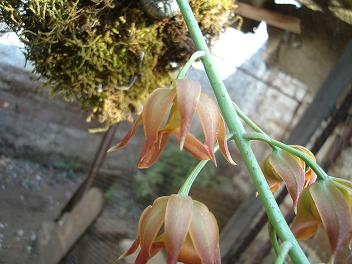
x=307 y=220
x=188 y=254
x=178 y=217
x=309 y=178
x=334 y=212
x=195 y=147
x=218 y=255
x=142 y=258
x=304 y=228
x=150 y=154
x=204 y=233
x=131 y=250
x=221 y=137
x=188 y=93
x=154 y=112
x=274 y=186
x=173 y=122
x=151 y=226
x=136 y=243
x=129 y=135
x=156 y=247
x=343 y=184
x=209 y=119
x=286 y=166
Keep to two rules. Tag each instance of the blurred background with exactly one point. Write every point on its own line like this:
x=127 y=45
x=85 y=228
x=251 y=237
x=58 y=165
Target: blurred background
x=63 y=200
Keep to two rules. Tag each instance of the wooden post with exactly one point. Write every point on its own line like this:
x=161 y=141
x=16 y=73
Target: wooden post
x=57 y=238
x=96 y=164
x=285 y=22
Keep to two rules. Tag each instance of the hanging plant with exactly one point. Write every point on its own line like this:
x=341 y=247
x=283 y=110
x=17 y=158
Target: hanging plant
x=109 y=55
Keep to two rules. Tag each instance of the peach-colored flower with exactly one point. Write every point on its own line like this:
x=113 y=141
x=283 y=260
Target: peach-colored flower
x=184 y=227
x=280 y=166
x=327 y=203
x=179 y=104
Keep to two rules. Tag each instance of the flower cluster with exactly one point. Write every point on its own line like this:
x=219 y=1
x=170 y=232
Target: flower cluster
x=180 y=105
x=190 y=233
x=326 y=203
x=281 y=166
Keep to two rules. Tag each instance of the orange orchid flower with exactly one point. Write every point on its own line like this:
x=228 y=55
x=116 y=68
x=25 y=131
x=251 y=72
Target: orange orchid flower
x=280 y=166
x=327 y=203
x=184 y=227
x=179 y=104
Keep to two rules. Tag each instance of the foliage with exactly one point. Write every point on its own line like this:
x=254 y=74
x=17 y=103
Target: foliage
x=168 y=174
x=105 y=54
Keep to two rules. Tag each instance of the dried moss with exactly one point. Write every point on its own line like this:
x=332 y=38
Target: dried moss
x=105 y=54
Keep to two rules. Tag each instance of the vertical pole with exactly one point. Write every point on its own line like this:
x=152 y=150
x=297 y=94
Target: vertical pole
x=93 y=171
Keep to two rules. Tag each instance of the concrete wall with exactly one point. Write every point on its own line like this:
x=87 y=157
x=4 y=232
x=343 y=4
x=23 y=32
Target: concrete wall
x=309 y=56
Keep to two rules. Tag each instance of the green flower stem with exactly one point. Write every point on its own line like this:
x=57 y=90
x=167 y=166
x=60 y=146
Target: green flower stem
x=285 y=249
x=313 y=165
x=280 y=252
x=247 y=120
x=235 y=126
x=195 y=56
x=186 y=187
x=273 y=239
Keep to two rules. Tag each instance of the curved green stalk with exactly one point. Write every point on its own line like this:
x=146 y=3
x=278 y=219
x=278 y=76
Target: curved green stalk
x=247 y=120
x=195 y=56
x=235 y=126
x=280 y=252
x=313 y=165
x=273 y=239
x=285 y=249
x=186 y=187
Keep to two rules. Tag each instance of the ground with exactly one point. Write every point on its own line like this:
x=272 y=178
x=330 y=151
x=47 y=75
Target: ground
x=29 y=194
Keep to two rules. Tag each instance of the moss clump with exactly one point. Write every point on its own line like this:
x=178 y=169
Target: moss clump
x=105 y=54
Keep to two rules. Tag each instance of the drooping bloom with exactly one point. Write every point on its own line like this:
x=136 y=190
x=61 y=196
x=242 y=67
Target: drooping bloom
x=280 y=166
x=184 y=227
x=180 y=105
x=326 y=203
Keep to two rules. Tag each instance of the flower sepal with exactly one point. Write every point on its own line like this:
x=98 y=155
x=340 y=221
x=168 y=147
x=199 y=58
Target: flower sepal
x=185 y=228
x=326 y=203
x=180 y=105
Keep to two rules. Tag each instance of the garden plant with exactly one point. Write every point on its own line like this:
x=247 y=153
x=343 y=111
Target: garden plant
x=110 y=56
x=185 y=228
